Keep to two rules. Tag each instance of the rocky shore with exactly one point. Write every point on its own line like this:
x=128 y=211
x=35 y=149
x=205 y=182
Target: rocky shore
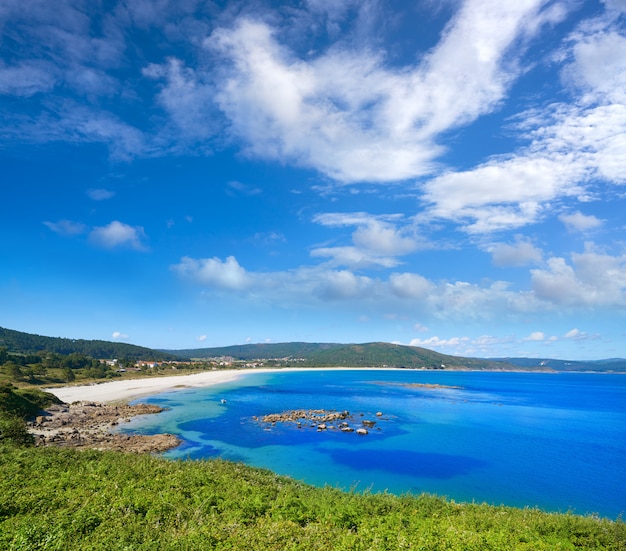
x=88 y=425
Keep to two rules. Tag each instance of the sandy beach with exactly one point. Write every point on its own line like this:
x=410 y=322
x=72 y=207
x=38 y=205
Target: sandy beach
x=124 y=391
x=121 y=391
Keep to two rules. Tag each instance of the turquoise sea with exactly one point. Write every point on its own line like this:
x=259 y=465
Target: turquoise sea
x=556 y=441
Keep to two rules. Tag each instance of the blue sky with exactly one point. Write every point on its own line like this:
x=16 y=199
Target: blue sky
x=447 y=174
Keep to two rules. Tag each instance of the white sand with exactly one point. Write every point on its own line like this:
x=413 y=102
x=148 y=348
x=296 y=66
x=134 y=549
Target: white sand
x=116 y=391
x=123 y=391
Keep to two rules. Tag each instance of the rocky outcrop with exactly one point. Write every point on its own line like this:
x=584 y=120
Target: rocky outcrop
x=427 y=386
x=321 y=420
x=300 y=415
x=89 y=424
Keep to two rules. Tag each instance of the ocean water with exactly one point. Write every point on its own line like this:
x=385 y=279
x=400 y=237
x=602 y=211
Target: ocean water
x=555 y=441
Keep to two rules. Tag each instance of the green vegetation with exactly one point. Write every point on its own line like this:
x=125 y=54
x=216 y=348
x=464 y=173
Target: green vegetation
x=26 y=343
x=35 y=359
x=61 y=499
x=375 y=354
x=17 y=405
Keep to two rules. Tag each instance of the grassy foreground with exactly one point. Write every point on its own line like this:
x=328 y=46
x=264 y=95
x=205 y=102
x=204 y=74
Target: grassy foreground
x=64 y=499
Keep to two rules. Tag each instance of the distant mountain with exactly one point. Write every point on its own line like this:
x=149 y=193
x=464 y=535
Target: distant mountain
x=27 y=343
x=303 y=354
x=258 y=351
x=376 y=354
x=381 y=354
x=611 y=364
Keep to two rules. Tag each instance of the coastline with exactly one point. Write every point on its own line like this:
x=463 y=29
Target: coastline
x=131 y=389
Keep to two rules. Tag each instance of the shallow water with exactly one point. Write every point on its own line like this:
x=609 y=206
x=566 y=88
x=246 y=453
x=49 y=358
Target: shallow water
x=556 y=441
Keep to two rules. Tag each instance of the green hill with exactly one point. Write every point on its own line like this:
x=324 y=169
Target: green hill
x=376 y=354
x=259 y=351
x=617 y=365
x=17 y=342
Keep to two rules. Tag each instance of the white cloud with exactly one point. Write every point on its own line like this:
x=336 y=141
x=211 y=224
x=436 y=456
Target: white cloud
x=119 y=336
x=599 y=65
x=522 y=253
x=578 y=335
x=579 y=222
x=619 y=5
x=536 y=336
x=502 y=194
x=573 y=334
x=409 y=285
x=376 y=240
x=569 y=146
x=66 y=227
x=118 y=234
x=201 y=338
x=593 y=280
x=436 y=342
x=346 y=115
x=213 y=272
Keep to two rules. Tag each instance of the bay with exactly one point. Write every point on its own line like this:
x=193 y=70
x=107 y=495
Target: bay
x=548 y=440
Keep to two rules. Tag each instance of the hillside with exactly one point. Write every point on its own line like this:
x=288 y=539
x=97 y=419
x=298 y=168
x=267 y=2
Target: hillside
x=77 y=500
x=301 y=354
x=18 y=342
x=617 y=365
x=376 y=354
x=257 y=351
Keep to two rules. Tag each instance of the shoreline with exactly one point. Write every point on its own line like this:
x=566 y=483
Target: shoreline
x=132 y=389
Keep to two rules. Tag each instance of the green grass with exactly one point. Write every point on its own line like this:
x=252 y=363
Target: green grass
x=69 y=500
x=24 y=402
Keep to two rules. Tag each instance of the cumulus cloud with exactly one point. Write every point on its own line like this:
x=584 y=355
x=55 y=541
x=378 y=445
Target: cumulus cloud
x=436 y=342
x=376 y=241
x=117 y=335
x=592 y=279
x=409 y=285
x=535 y=336
x=579 y=222
x=118 y=234
x=226 y=274
x=521 y=253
